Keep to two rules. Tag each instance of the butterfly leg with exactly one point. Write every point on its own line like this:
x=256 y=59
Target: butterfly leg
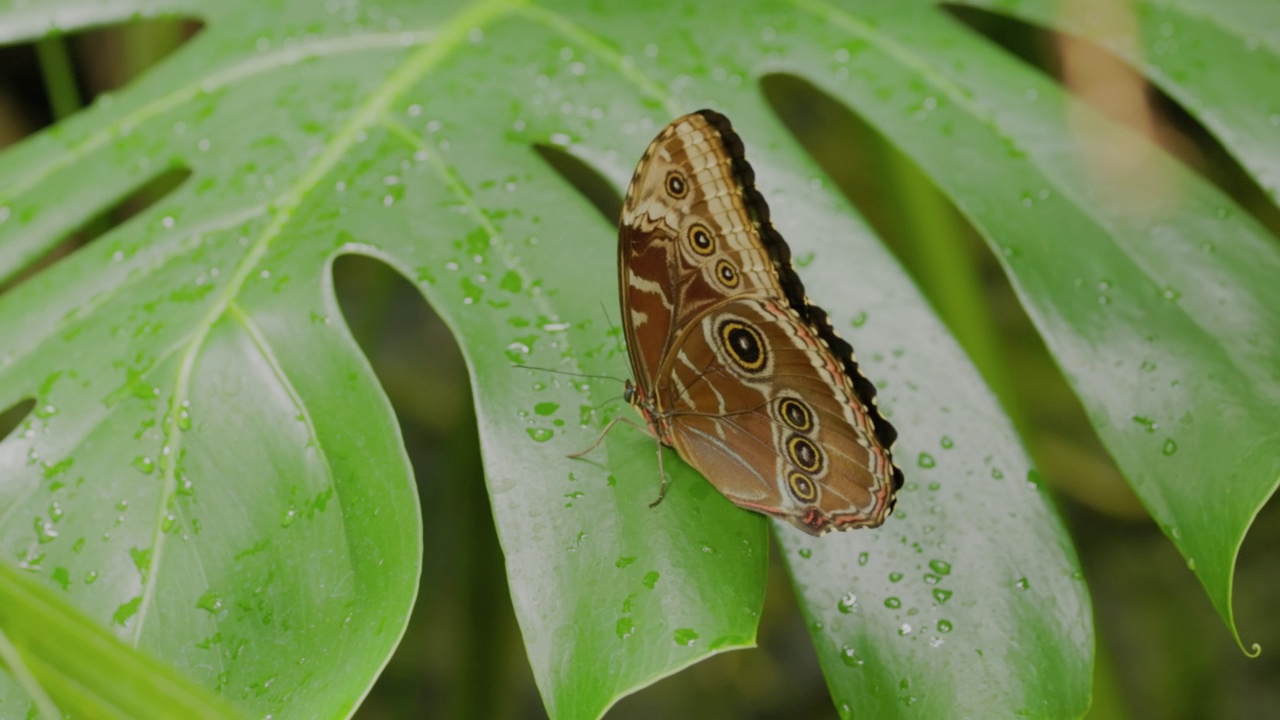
x=607 y=428
x=662 y=491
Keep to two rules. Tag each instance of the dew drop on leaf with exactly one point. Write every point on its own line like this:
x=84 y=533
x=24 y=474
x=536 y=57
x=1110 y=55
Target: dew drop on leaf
x=685 y=636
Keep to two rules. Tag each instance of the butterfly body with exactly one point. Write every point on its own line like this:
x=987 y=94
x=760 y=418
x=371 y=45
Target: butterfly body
x=734 y=367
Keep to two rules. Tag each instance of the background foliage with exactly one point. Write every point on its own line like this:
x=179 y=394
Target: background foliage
x=468 y=657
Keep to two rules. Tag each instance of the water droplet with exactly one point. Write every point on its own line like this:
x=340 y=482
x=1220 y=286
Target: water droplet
x=942 y=567
x=892 y=602
x=1146 y=422
x=91 y=577
x=1022 y=584
x=145 y=464
x=904 y=629
x=926 y=460
x=540 y=434
x=847 y=603
x=624 y=561
x=289 y=516
x=947 y=442
x=209 y=602
x=625 y=627
x=941 y=596
x=859 y=319
x=805 y=553
x=546 y=408
x=1191 y=564
x=44 y=531
x=685 y=636
x=1170 y=447
x=650 y=579
x=895 y=577
x=849 y=656
x=996 y=474
x=944 y=626
x=863 y=557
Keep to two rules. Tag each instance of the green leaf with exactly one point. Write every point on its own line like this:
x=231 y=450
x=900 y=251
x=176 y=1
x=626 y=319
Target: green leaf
x=58 y=656
x=1153 y=289
x=215 y=474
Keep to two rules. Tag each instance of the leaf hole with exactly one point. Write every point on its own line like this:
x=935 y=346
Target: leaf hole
x=52 y=78
x=463 y=609
x=1112 y=86
x=586 y=179
x=28 y=255
x=13 y=416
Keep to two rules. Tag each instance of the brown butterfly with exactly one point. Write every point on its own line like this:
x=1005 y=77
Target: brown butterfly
x=734 y=367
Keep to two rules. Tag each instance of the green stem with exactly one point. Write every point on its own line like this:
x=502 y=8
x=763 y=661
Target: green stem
x=59 y=77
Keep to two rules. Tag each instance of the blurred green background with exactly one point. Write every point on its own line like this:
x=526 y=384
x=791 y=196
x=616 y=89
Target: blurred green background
x=1162 y=650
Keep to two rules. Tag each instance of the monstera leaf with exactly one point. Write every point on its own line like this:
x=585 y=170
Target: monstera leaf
x=212 y=471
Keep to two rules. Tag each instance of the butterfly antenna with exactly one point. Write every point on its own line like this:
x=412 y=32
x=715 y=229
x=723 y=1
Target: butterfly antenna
x=567 y=372
x=605 y=311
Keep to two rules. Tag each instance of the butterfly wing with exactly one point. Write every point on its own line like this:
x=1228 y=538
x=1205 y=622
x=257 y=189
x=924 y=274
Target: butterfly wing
x=684 y=218
x=764 y=409
x=735 y=368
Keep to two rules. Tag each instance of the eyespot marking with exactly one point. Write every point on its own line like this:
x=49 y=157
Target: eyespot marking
x=795 y=414
x=701 y=240
x=744 y=345
x=726 y=273
x=802 y=487
x=804 y=453
x=676 y=185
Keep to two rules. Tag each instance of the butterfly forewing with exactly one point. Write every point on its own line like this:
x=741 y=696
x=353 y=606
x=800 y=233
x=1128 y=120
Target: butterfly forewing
x=734 y=368
x=684 y=218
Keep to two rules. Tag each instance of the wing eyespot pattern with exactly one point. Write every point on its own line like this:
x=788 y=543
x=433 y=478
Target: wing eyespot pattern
x=701 y=240
x=804 y=453
x=802 y=487
x=795 y=414
x=727 y=274
x=676 y=185
x=744 y=345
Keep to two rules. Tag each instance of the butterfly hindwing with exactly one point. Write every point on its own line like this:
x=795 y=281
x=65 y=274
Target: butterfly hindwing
x=761 y=407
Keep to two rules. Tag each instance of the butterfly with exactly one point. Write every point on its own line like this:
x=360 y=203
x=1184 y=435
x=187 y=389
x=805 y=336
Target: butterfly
x=733 y=366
